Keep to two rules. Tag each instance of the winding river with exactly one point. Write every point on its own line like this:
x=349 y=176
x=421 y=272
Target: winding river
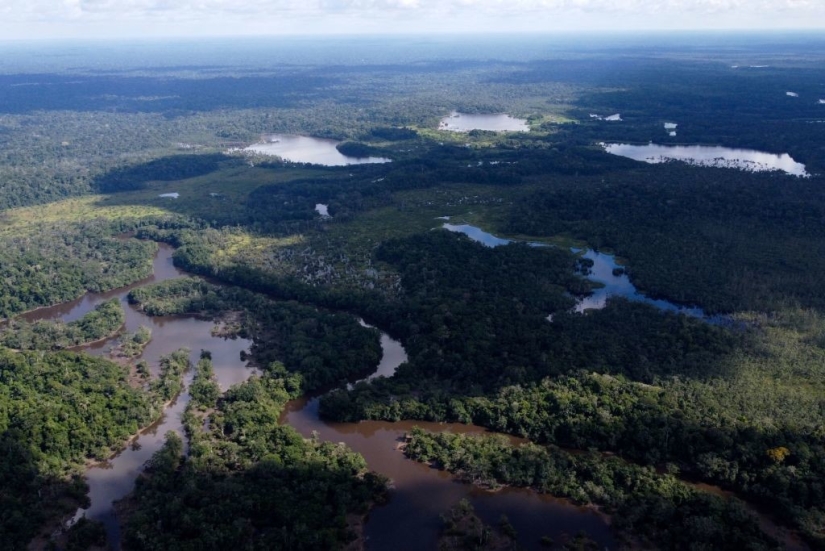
x=114 y=479
x=605 y=271
x=419 y=495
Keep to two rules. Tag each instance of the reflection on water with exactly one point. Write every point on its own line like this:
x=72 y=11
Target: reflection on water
x=306 y=149
x=716 y=156
x=392 y=355
x=616 y=117
x=463 y=122
x=322 y=209
x=605 y=270
x=420 y=494
x=616 y=283
x=477 y=234
x=115 y=478
x=410 y=520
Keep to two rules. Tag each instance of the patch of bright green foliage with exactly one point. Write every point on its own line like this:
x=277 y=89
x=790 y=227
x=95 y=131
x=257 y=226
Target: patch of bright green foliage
x=243 y=477
x=57 y=410
x=662 y=511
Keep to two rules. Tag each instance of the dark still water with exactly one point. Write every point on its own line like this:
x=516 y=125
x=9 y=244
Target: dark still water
x=420 y=494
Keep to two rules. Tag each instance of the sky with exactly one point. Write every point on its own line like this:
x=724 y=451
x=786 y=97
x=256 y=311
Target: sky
x=41 y=19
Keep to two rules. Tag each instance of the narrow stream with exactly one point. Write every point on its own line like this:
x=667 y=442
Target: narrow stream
x=605 y=271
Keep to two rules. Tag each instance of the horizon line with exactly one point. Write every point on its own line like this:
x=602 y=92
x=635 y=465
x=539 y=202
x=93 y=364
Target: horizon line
x=434 y=34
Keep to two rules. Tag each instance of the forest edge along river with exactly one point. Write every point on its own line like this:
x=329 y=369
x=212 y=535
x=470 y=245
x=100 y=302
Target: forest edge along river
x=111 y=480
x=419 y=495
x=604 y=270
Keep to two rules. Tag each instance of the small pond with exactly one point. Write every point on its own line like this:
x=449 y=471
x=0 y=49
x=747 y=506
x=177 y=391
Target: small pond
x=616 y=117
x=465 y=122
x=322 y=209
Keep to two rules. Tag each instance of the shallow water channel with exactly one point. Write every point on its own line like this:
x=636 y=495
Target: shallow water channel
x=605 y=271
x=420 y=494
x=115 y=478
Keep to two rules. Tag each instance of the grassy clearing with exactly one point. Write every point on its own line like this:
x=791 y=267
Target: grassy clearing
x=223 y=192
x=28 y=219
x=555 y=118
x=419 y=211
x=486 y=139
x=245 y=248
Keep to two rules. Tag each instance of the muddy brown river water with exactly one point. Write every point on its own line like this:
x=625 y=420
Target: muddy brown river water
x=410 y=518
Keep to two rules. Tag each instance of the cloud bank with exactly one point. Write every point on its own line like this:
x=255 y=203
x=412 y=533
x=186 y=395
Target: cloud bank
x=33 y=18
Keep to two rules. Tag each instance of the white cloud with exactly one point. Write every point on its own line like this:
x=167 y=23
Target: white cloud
x=27 y=17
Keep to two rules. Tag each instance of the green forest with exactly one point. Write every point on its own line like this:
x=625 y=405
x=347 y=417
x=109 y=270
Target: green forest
x=657 y=509
x=689 y=431
x=323 y=347
x=58 y=262
x=243 y=476
x=104 y=320
x=58 y=410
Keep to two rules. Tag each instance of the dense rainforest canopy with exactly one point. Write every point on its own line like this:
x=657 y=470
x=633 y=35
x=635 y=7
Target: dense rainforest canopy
x=624 y=407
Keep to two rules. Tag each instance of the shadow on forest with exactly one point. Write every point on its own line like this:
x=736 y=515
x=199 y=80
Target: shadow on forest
x=28 y=499
x=176 y=167
x=24 y=93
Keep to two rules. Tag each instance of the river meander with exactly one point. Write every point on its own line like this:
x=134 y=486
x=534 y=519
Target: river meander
x=606 y=271
x=420 y=494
